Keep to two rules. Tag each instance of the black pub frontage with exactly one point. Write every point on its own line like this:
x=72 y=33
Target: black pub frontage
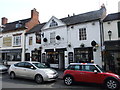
x=55 y=57
x=112 y=56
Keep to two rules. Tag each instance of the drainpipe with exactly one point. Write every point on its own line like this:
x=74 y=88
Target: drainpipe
x=23 y=46
x=101 y=40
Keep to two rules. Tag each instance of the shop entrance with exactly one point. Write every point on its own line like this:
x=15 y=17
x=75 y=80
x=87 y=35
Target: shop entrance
x=112 y=61
x=61 y=61
x=56 y=58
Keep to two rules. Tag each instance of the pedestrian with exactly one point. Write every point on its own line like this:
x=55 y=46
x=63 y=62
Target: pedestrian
x=47 y=64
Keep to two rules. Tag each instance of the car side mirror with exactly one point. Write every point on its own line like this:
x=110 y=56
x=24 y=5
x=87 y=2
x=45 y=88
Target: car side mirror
x=95 y=71
x=32 y=67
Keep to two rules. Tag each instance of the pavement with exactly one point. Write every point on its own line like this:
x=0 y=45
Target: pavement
x=60 y=74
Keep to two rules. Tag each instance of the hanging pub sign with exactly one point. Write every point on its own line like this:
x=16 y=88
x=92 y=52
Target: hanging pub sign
x=70 y=57
x=38 y=38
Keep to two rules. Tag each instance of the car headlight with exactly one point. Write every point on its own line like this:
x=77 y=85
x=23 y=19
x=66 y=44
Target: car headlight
x=117 y=76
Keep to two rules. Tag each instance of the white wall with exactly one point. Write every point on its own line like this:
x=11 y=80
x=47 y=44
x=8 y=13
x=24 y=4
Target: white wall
x=112 y=27
x=10 y=34
x=62 y=43
x=34 y=45
x=93 y=33
x=71 y=36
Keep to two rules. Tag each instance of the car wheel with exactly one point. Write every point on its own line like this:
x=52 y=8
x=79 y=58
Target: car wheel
x=111 y=84
x=68 y=80
x=39 y=79
x=12 y=75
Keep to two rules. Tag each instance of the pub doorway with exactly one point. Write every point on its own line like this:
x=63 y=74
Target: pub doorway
x=61 y=60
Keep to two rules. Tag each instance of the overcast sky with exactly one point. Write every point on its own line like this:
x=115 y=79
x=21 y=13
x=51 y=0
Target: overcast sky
x=21 y=9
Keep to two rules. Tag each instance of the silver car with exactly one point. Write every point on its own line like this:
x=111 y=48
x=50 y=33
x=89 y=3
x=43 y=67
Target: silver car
x=32 y=70
x=3 y=68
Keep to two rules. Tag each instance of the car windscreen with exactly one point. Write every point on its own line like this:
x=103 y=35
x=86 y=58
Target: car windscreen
x=39 y=65
x=100 y=68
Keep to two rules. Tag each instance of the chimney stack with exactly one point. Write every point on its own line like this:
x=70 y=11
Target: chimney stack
x=4 y=20
x=119 y=6
x=34 y=14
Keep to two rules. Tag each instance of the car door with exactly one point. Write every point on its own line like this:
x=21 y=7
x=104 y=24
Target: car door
x=77 y=73
x=89 y=74
x=19 y=69
x=30 y=70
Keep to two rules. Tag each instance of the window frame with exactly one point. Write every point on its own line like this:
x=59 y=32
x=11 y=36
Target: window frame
x=17 y=40
x=52 y=38
x=82 y=34
x=30 y=40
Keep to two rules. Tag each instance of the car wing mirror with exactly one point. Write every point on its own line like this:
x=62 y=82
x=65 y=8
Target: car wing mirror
x=32 y=67
x=95 y=71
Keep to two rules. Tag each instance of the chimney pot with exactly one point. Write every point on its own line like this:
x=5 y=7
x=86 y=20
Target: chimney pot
x=4 y=20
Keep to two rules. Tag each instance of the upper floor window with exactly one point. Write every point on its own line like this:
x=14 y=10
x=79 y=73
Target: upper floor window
x=19 y=24
x=82 y=34
x=118 y=29
x=52 y=37
x=53 y=23
x=30 y=40
x=1 y=29
x=17 y=40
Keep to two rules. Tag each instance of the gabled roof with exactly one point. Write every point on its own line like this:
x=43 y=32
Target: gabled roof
x=12 y=26
x=111 y=17
x=76 y=19
x=36 y=28
x=85 y=17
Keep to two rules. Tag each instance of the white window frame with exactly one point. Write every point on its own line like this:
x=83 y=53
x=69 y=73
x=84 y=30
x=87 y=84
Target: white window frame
x=82 y=34
x=52 y=37
x=30 y=41
x=17 y=40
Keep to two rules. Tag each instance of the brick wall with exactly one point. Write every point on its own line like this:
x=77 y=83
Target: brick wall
x=34 y=19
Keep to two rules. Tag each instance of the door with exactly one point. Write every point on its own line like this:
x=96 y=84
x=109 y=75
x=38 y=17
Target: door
x=78 y=73
x=20 y=69
x=61 y=60
x=30 y=70
x=89 y=75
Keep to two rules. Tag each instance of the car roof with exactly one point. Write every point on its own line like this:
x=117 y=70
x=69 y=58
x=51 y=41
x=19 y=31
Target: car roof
x=30 y=61
x=82 y=64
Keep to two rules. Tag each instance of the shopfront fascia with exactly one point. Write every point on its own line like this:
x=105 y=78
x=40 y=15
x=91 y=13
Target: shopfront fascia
x=112 y=56
x=11 y=54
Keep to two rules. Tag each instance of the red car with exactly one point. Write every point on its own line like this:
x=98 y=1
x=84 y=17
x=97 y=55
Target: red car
x=90 y=73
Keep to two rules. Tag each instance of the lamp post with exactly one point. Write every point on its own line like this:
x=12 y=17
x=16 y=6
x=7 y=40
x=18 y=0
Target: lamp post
x=109 y=34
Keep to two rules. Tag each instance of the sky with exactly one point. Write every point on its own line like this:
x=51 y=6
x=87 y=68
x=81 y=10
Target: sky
x=21 y=9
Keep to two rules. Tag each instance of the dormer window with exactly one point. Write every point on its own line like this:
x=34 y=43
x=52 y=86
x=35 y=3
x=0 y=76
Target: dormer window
x=19 y=24
x=53 y=23
x=1 y=29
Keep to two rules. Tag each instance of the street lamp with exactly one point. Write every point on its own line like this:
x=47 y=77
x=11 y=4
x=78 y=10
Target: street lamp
x=109 y=34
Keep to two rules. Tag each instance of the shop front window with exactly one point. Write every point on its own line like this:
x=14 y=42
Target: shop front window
x=83 y=55
x=13 y=57
x=52 y=57
x=36 y=55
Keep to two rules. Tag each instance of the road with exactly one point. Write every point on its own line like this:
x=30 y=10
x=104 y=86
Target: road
x=19 y=83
